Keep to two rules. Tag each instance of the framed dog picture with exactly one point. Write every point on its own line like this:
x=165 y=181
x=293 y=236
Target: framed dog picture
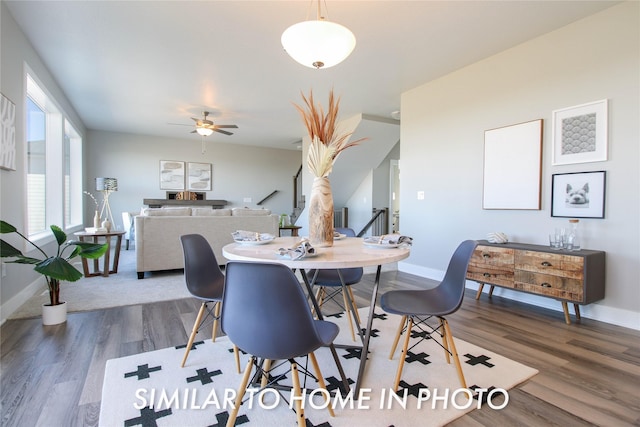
x=578 y=194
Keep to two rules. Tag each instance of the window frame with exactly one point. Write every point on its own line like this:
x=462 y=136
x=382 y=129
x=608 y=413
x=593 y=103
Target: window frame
x=58 y=127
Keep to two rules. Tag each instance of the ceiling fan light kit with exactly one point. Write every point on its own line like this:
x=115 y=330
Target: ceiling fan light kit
x=318 y=43
x=204 y=131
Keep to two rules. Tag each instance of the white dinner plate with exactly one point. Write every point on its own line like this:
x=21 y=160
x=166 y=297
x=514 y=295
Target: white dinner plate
x=254 y=242
x=381 y=245
x=339 y=237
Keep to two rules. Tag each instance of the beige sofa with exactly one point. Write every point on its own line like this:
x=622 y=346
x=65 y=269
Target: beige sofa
x=158 y=231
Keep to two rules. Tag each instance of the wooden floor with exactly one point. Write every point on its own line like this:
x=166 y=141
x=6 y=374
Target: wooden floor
x=589 y=371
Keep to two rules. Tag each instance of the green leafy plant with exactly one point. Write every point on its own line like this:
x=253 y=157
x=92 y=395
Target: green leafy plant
x=54 y=268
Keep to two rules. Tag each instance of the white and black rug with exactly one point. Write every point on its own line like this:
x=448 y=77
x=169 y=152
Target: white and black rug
x=150 y=389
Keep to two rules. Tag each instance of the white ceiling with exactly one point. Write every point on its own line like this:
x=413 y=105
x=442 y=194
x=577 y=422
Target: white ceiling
x=136 y=66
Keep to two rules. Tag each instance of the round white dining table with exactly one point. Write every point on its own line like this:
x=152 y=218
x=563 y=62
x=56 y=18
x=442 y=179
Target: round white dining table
x=348 y=252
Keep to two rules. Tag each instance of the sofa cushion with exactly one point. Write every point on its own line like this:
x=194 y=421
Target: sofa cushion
x=210 y=212
x=166 y=212
x=250 y=212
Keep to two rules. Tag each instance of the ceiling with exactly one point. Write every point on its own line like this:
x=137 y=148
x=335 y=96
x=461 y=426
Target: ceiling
x=136 y=66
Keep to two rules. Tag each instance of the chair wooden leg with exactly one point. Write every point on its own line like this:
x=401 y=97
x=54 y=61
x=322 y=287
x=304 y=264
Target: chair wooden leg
x=397 y=338
x=241 y=390
x=297 y=394
x=194 y=331
x=454 y=353
x=266 y=365
x=403 y=355
x=236 y=353
x=321 y=382
x=445 y=341
x=348 y=312
x=355 y=306
x=215 y=321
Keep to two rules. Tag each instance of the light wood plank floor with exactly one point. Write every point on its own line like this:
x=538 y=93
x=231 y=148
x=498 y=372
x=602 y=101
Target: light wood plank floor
x=589 y=371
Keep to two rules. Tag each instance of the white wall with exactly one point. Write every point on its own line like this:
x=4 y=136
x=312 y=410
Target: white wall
x=239 y=171
x=443 y=124
x=16 y=52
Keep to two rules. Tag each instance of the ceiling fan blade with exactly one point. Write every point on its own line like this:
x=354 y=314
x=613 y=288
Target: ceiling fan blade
x=227 y=126
x=193 y=131
x=179 y=124
x=223 y=131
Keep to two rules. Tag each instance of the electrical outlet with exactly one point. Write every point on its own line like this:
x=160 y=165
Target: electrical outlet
x=247 y=200
x=420 y=195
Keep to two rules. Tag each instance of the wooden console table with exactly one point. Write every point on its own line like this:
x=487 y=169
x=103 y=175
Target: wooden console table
x=158 y=203
x=577 y=277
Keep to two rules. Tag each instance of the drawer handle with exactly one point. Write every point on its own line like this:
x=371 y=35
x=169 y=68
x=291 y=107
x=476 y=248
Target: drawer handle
x=546 y=264
x=486 y=255
x=545 y=285
x=486 y=275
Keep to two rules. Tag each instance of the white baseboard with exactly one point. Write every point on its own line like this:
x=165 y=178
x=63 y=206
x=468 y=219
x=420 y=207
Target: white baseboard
x=9 y=307
x=596 y=311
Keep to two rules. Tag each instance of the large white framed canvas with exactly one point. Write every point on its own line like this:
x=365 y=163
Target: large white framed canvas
x=8 y=132
x=513 y=166
x=580 y=133
x=198 y=176
x=171 y=175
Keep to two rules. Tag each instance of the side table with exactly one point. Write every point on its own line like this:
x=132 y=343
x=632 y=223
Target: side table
x=294 y=229
x=106 y=270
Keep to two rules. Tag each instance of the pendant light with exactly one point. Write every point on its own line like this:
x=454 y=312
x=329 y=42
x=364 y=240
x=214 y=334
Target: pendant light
x=318 y=43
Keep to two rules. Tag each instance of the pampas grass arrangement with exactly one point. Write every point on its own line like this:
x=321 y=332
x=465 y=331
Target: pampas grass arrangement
x=326 y=143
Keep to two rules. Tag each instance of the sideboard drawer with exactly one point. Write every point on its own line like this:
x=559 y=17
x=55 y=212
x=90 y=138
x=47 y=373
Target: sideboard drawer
x=549 y=284
x=492 y=265
x=550 y=263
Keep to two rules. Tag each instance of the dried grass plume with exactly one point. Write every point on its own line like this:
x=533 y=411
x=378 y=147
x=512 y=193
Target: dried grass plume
x=326 y=144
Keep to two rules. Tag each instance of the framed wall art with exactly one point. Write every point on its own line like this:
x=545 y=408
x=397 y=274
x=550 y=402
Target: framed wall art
x=578 y=194
x=8 y=133
x=580 y=133
x=198 y=176
x=512 y=166
x=171 y=175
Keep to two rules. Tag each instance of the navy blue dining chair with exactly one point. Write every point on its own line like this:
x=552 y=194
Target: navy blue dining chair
x=330 y=286
x=417 y=307
x=205 y=281
x=266 y=314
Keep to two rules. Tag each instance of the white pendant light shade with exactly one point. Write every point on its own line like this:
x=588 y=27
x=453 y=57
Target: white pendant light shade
x=318 y=44
x=204 y=131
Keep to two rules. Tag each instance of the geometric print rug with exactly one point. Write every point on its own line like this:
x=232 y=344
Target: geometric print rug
x=150 y=389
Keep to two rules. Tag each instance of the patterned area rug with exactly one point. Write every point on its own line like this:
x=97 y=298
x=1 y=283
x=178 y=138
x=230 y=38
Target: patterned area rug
x=150 y=389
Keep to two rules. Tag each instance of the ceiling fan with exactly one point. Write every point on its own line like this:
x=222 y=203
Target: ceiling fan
x=206 y=127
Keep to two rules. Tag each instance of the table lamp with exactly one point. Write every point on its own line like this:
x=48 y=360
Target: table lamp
x=106 y=186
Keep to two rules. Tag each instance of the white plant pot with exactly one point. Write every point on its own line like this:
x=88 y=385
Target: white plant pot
x=54 y=314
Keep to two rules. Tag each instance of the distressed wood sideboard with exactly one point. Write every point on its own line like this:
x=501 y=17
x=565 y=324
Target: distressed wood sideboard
x=576 y=277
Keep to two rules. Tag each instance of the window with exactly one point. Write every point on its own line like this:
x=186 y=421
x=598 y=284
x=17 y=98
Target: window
x=54 y=165
x=36 y=168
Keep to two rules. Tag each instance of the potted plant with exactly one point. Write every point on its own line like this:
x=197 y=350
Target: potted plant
x=54 y=268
